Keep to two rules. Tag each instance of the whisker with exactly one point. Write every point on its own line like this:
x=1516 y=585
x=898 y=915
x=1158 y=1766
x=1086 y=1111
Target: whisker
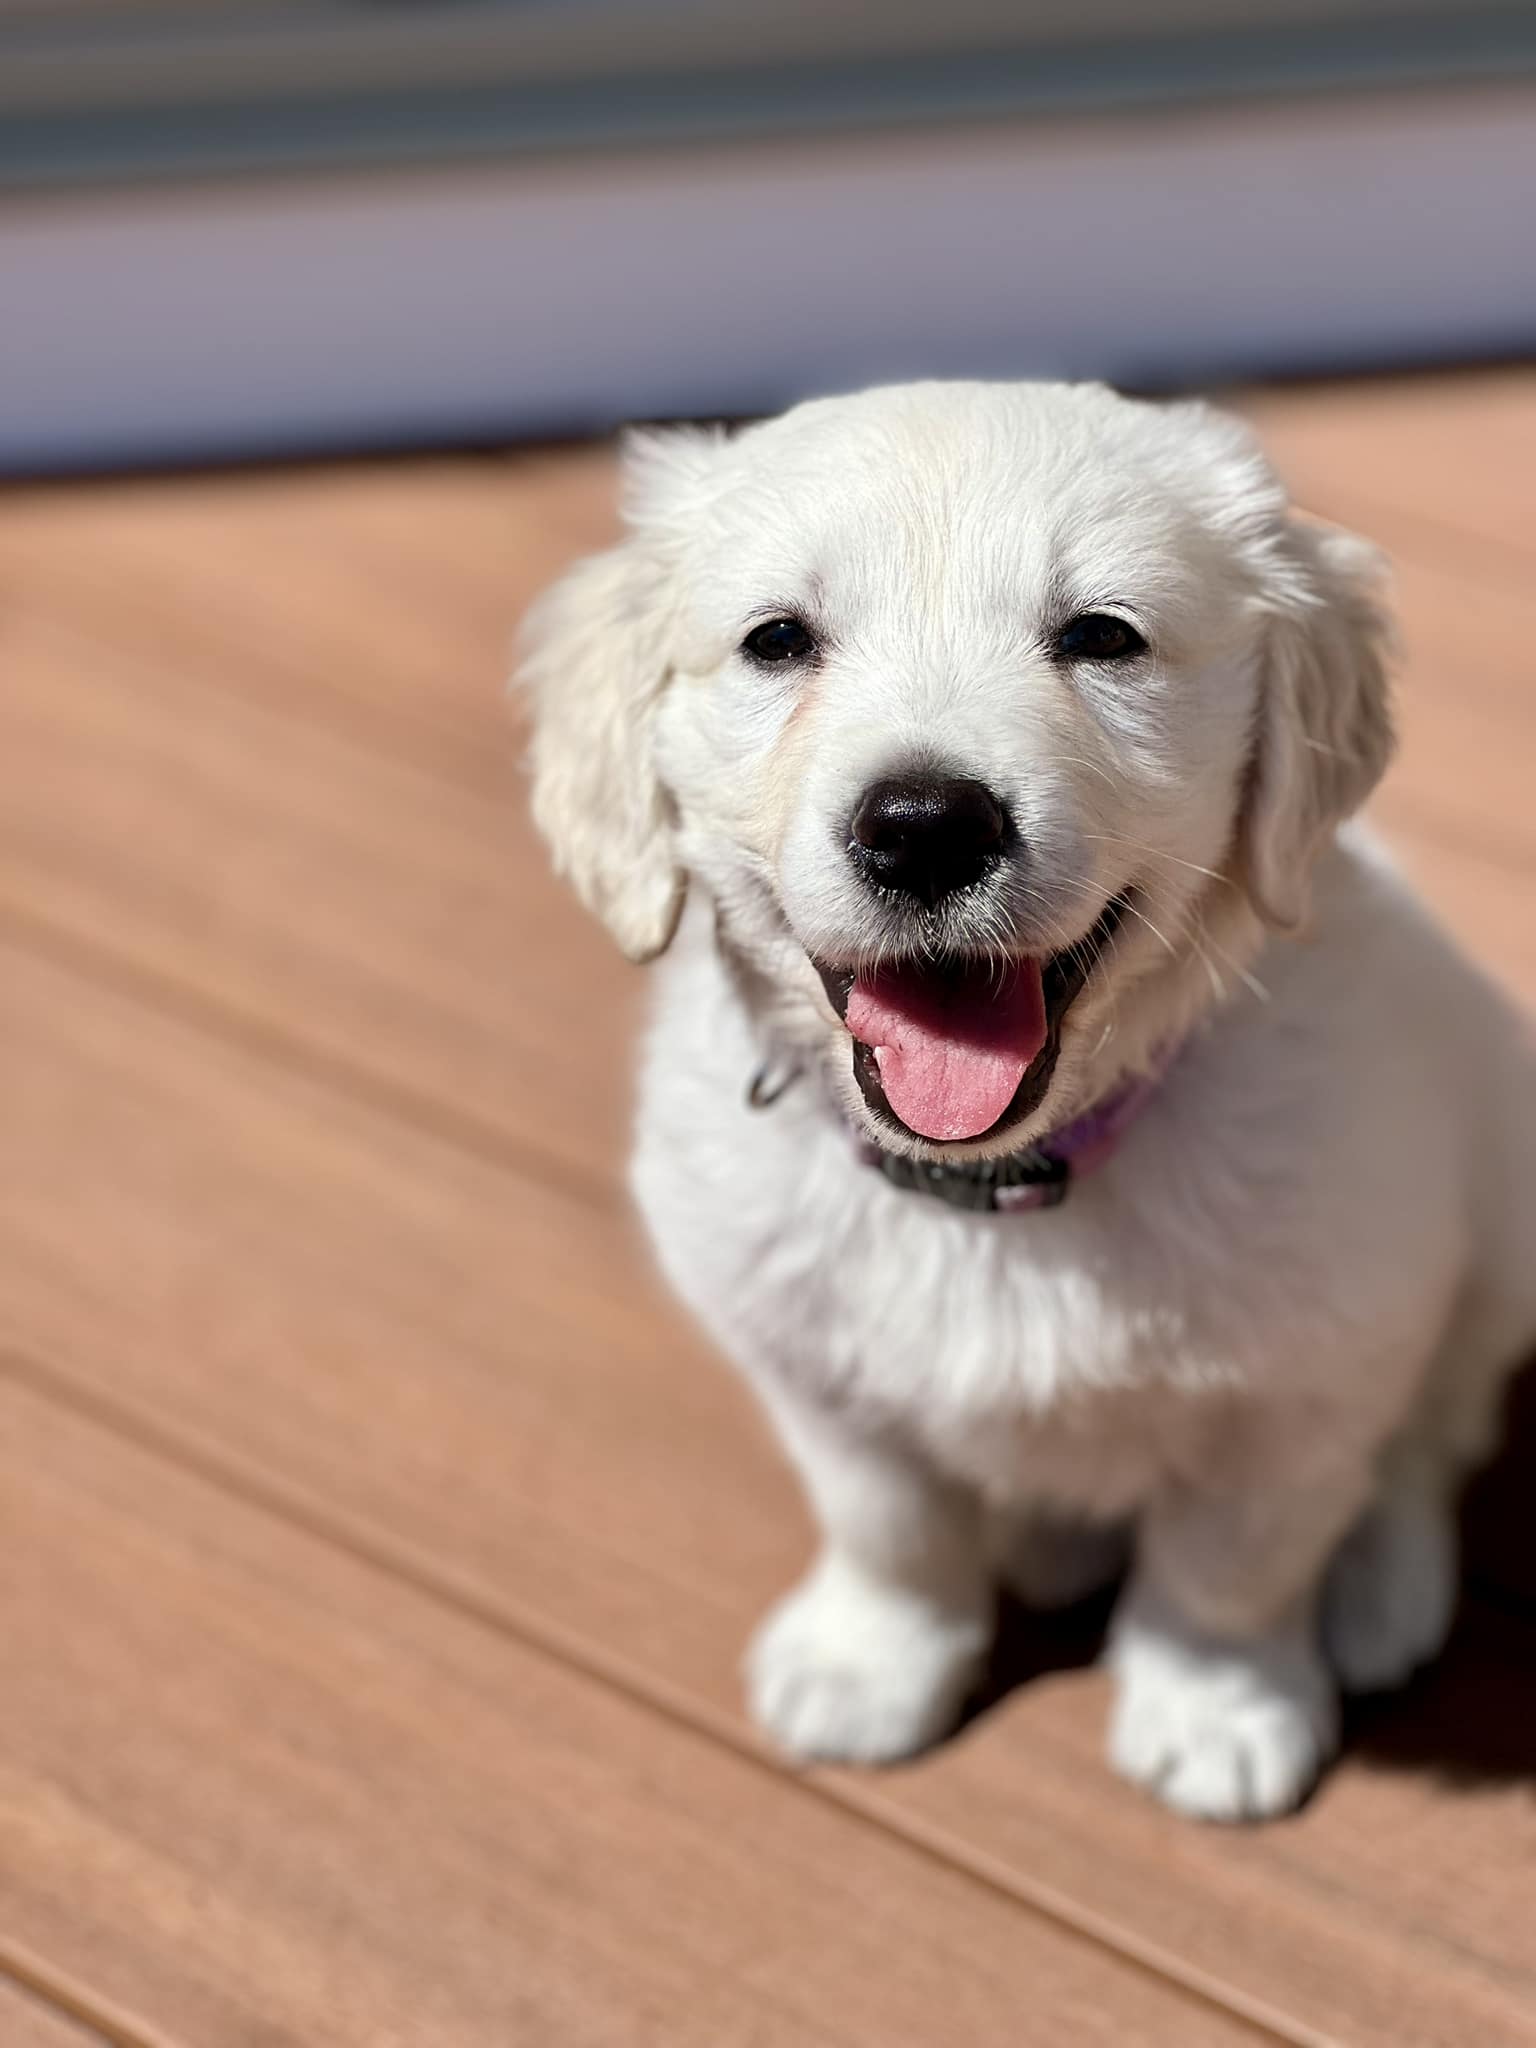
x=1077 y=761
x=1218 y=986
x=1152 y=928
x=1250 y=981
x=1157 y=853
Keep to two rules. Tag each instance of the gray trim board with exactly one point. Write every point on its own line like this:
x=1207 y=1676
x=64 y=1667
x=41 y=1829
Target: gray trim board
x=145 y=92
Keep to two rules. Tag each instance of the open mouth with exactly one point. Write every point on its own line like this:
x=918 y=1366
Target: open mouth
x=950 y=1050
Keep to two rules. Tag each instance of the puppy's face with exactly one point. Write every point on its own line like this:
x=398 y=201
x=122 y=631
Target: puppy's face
x=978 y=711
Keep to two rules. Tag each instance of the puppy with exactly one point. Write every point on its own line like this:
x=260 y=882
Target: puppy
x=1086 y=1149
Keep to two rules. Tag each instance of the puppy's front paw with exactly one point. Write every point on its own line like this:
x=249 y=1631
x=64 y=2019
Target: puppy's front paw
x=1221 y=1732
x=848 y=1670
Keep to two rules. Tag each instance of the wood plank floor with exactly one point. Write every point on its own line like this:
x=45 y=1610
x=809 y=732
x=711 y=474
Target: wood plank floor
x=377 y=1543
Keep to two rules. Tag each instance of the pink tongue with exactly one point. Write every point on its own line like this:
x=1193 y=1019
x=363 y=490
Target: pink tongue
x=951 y=1049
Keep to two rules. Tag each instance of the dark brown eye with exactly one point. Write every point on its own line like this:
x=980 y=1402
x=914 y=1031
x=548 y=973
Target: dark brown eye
x=779 y=641
x=1096 y=636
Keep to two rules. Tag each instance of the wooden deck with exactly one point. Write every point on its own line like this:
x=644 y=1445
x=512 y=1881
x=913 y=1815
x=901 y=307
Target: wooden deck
x=378 y=1542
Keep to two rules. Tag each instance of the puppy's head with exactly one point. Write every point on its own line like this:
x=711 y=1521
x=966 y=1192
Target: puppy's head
x=994 y=720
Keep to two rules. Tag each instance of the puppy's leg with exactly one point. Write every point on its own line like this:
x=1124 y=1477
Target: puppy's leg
x=1390 y=1594
x=871 y=1656
x=1225 y=1706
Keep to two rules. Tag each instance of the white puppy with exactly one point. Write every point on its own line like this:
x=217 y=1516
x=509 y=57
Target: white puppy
x=999 y=735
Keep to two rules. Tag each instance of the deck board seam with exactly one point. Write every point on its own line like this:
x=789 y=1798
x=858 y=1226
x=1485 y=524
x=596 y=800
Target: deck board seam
x=98 y=2018
x=444 y=749
x=196 y=1007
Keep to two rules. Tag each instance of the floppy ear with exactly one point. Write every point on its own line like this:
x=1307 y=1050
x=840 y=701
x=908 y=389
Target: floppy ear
x=597 y=653
x=1324 y=729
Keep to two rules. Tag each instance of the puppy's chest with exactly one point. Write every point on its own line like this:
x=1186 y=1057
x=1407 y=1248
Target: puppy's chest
x=1012 y=1311
x=1042 y=1334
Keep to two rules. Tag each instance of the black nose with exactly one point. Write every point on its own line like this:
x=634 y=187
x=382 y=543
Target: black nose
x=928 y=835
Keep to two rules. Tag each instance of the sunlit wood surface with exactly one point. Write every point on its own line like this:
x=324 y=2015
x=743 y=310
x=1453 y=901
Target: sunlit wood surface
x=379 y=1543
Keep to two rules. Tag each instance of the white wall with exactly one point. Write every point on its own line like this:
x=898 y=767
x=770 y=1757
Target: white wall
x=485 y=302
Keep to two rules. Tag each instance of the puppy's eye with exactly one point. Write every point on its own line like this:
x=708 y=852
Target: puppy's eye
x=779 y=641
x=1096 y=636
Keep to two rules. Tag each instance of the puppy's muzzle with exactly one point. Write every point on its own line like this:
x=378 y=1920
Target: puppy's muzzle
x=928 y=836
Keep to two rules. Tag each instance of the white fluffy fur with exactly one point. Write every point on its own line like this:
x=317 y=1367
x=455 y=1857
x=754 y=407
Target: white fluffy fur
x=1270 y=1335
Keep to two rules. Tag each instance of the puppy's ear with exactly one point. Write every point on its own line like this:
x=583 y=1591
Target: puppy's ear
x=1324 y=729
x=596 y=654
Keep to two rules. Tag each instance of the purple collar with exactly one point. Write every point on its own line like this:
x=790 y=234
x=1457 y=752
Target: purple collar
x=1036 y=1178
